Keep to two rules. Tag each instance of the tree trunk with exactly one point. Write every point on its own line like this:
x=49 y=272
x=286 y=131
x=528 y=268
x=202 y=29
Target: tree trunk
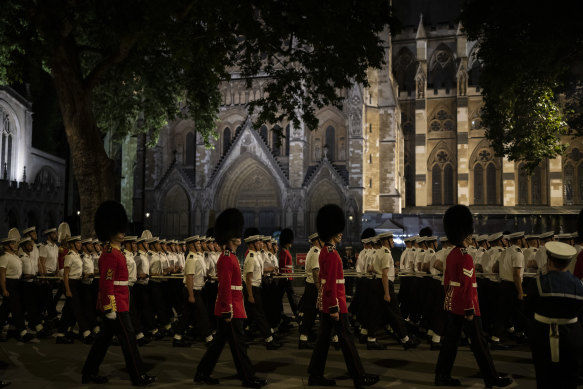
x=92 y=168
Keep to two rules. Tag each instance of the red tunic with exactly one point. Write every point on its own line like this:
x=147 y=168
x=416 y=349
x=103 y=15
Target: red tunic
x=114 y=294
x=332 y=291
x=459 y=281
x=230 y=293
x=578 y=271
x=285 y=262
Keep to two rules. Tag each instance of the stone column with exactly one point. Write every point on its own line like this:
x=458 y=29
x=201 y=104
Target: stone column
x=422 y=192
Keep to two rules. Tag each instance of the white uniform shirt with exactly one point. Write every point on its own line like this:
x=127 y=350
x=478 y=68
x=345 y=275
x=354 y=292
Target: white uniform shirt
x=361 y=260
x=50 y=252
x=384 y=260
x=95 y=257
x=75 y=264
x=404 y=258
x=142 y=266
x=419 y=258
x=429 y=257
x=513 y=258
x=253 y=265
x=12 y=264
x=27 y=266
x=312 y=263
x=131 y=264
x=441 y=256
x=541 y=260
x=155 y=263
x=529 y=255
x=88 y=268
x=489 y=259
x=477 y=255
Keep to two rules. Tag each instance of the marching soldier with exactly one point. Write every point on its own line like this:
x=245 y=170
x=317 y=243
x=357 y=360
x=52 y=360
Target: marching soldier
x=229 y=306
x=194 y=307
x=110 y=225
x=541 y=255
x=330 y=223
x=286 y=266
x=437 y=316
x=461 y=303
x=210 y=287
x=156 y=288
x=253 y=272
x=552 y=304
x=310 y=298
x=29 y=287
x=48 y=259
x=142 y=295
x=405 y=269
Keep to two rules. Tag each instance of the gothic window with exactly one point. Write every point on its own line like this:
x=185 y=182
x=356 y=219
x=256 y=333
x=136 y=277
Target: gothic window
x=45 y=178
x=263 y=133
x=441 y=69
x=276 y=140
x=442 y=121
x=443 y=181
x=226 y=139
x=409 y=186
x=491 y=180
x=331 y=142
x=475 y=68
x=6 y=151
x=448 y=184
x=190 y=145
x=436 y=185
x=478 y=184
x=404 y=69
x=287 y=134
x=370 y=158
x=573 y=177
x=476 y=123
x=532 y=188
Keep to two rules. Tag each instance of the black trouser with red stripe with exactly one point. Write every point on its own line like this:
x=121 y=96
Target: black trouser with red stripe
x=349 y=352
x=123 y=329
x=233 y=333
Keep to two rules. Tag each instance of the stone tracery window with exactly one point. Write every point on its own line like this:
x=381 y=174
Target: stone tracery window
x=573 y=177
x=404 y=69
x=441 y=69
x=226 y=139
x=443 y=180
x=532 y=188
x=6 y=150
x=486 y=176
x=442 y=121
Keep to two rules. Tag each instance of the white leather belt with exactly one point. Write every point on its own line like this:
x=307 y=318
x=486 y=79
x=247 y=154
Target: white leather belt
x=197 y=288
x=121 y=283
x=340 y=281
x=236 y=287
x=454 y=283
x=475 y=284
x=554 y=324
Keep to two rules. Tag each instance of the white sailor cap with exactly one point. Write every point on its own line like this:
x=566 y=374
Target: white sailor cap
x=443 y=239
x=273 y=241
x=561 y=251
x=24 y=240
x=529 y=237
x=96 y=241
x=515 y=235
x=141 y=239
x=88 y=240
x=475 y=236
x=494 y=236
x=266 y=238
x=431 y=238
x=375 y=239
x=564 y=236
x=9 y=239
x=29 y=229
x=151 y=240
x=191 y=239
x=313 y=236
x=385 y=235
x=130 y=238
x=419 y=239
x=49 y=230
x=482 y=238
x=546 y=235
x=253 y=238
x=74 y=238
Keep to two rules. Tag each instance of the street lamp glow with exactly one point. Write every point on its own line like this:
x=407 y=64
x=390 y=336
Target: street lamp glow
x=147 y=214
x=78 y=213
x=350 y=217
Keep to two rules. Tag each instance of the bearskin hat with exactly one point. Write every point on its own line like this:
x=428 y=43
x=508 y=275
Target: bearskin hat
x=229 y=225
x=368 y=233
x=110 y=219
x=329 y=221
x=251 y=231
x=458 y=224
x=286 y=236
x=426 y=231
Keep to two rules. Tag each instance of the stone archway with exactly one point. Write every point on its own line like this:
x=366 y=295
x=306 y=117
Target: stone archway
x=250 y=187
x=324 y=192
x=175 y=213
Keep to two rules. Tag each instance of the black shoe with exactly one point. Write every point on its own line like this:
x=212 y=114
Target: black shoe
x=180 y=343
x=273 y=345
x=336 y=345
x=305 y=345
x=375 y=346
x=26 y=337
x=158 y=335
x=4 y=384
x=200 y=379
x=498 y=346
x=144 y=380
x=315 y=380
x=446 y=381
x=434 y=346
x=413 y=342
x=366 y=380
x=64 y=340
x=254 y=382
x=499 y=382
x=143 y=341
x=96 y=379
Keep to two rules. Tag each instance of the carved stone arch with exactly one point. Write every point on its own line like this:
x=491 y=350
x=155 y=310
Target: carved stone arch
x=441 y=154
x=10 y=129
x=175 y=209
x=441 y=174
x=532 y=188
x=474 y=66
x=441 y=69
x=485 y=175
x=404 y=68
x=329 y=117
x=442 y=119
x=47 y=178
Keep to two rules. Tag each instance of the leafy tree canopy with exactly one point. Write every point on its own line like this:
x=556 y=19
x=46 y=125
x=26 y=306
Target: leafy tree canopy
x=532 y=56
x=140 y=63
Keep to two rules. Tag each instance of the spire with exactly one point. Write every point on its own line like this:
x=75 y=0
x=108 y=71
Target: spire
x=420 y=29
x=459 y=29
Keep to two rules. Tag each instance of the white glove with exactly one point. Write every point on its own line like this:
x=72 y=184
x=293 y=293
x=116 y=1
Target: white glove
x=111 y=315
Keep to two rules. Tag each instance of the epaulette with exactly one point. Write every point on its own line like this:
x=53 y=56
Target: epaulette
x=191 y=255
x=500 y=249
x=251 y=255
x=150 y=253
x=226 y=252
x=315 y=250
x=387 y=251
x=464 y=251
x=518 y=249
x=109 y=249
x=431 y=251
x=330 y=249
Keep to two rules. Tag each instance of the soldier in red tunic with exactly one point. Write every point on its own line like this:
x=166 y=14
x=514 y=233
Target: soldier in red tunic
x=229 y=306
x=114 y=299
x=330 y=223
x=461 y=303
